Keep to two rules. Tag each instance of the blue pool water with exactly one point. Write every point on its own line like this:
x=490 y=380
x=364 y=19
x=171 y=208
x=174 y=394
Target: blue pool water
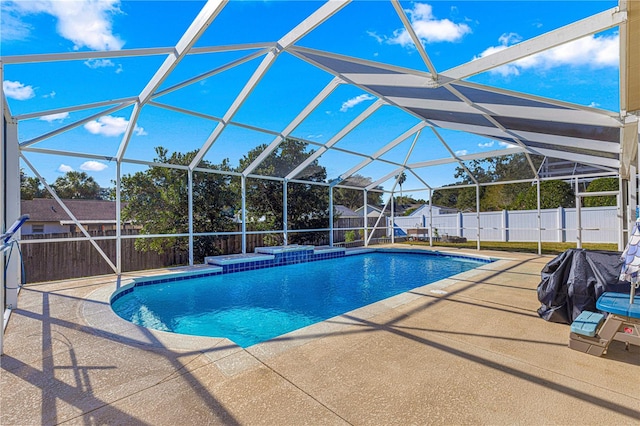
x=253 y=306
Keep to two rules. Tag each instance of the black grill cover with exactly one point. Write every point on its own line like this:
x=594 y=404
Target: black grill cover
x=573 y=281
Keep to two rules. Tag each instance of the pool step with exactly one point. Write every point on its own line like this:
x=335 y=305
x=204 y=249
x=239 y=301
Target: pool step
x=328 y=249
x=266 y=257
x=233 y=259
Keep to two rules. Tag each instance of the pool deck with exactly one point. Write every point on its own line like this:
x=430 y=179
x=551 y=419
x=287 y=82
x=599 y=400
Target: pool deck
x=466 y=350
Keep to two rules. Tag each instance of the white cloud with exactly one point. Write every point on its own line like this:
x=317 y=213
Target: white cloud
x=593 y=51
x=50 y=95
x=318 y=136
x=63 y=168
x=108 y=125
x=427 y=27
x=99 y=63
x=507 y=145
x=509 y=39
x=86 y=23
x=462 y=152
x=18 y=91
x=55 y=117
x=346 y=105
x=378 y=38
x=93 y=166
x=139 y=131
x=486 y=144
x=11 y=27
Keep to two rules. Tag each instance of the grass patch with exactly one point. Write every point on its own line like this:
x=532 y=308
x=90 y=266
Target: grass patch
x=525 y=247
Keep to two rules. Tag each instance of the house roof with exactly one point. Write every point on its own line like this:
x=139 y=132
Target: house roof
x=420 y=209
x=345 y=211
x=48 y=210
x=372 y=211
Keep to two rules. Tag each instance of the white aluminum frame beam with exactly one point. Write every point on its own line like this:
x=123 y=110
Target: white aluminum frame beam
x=591 y=25
x=126 y=53
x=388 y=147
x=70 y=214
x=39 y=114
x=199 y=25
x=213 y=72
x=74 y=125
x=80 y=56
x=314 y=20
x=337 y=137
x=235 y=106
x=493 y=121
x=416 y=40
x=395 y=183
x=454 y=156
x=311 y=106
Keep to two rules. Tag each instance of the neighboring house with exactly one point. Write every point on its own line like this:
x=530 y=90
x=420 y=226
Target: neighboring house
x=372 y=211
x=423 y=210
x=344 y=212
x=46 y=216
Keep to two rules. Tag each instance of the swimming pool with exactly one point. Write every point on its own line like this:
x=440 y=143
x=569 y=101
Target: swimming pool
x=254 y=306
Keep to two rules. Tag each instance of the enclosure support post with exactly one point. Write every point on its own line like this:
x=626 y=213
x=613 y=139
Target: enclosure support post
x=622 y=220
x=505 y=226
x=285 y=224
x=627 y=187
x=11 y=190
x=190 y=202
x=366 y=222
x=3 y=145
x=632 y=202
x=578 y=217
x=331 y=216
x=118 y=219
x=243 y=212
x=393 y=222
x=477 y=216
x=539 y=215
x=430 y=218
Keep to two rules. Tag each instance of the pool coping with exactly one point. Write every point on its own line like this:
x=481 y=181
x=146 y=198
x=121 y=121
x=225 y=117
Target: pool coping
x=96 y=311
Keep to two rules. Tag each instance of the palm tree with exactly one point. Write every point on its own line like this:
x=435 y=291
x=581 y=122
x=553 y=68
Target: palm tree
x=402 y=177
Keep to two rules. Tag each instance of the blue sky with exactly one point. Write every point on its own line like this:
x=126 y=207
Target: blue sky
x=453 y=33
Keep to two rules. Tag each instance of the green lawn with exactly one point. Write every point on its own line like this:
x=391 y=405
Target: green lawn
x=547 y=248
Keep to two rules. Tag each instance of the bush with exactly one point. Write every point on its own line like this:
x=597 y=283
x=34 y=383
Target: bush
x=351 y=236
x=601 y=185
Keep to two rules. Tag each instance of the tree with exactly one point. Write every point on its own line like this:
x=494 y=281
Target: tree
x=553 y=194
x=600 y=185
x=30 y=187
x=495 y=169
x=157 y=200
x=402 y=178
x=77 y=186
x=353 y=198
x=307 y=205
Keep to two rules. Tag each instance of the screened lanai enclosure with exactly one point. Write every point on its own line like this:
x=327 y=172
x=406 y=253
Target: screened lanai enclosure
x=214 y=130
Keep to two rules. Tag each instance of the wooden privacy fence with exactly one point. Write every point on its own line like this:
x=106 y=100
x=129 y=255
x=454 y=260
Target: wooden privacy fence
x=357 y=222
x=57 y=260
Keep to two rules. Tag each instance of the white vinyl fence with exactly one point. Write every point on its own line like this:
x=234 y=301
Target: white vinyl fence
x=599 y=225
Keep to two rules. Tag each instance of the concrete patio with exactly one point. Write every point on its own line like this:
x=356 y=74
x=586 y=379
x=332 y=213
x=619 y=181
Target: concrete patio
x=467 y=350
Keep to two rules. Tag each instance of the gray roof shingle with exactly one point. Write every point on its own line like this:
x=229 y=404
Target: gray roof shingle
x=48 y=210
